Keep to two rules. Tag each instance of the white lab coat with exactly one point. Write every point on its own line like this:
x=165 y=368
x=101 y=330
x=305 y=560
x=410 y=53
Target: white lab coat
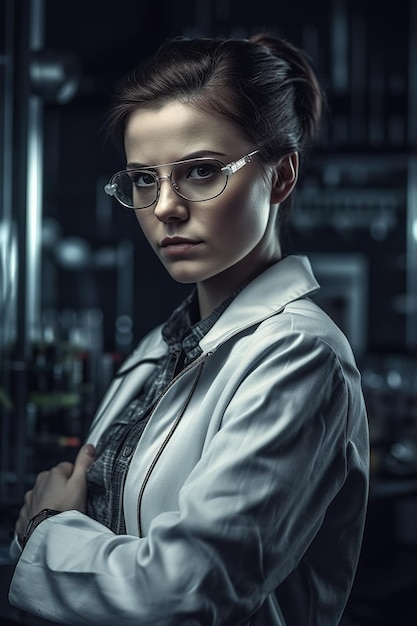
x=245 y=498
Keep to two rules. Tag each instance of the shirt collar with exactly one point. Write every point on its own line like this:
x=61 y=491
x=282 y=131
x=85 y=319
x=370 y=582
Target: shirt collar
x=183 y=327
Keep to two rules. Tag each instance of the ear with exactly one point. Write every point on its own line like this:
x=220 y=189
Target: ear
x=284 y=178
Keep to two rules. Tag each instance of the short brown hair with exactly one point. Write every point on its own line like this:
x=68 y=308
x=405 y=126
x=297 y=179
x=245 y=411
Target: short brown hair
x=264 y=84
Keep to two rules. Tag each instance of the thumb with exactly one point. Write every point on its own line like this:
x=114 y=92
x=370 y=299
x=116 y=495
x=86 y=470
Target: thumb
x=84 y=459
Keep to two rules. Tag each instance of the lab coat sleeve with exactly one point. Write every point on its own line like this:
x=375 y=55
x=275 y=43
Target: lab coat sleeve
x=247 y=513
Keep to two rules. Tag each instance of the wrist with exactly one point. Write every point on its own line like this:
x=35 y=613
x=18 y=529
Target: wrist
x=35 y=521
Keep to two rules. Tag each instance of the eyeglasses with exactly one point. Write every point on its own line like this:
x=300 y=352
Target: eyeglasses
x=195 y=180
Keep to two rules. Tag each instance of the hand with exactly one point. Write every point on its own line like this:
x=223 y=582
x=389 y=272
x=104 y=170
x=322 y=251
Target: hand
x=63 y=488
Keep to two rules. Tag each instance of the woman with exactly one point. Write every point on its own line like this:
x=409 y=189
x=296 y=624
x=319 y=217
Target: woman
x=225 y=478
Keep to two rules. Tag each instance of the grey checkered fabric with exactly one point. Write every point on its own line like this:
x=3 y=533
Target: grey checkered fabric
x=105 y=479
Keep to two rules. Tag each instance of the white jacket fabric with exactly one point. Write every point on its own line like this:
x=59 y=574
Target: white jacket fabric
x=246 y=495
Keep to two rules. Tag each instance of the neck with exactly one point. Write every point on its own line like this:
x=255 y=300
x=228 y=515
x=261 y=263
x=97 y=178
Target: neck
x=213 y=291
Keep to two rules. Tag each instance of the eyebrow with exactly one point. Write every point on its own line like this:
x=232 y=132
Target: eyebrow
x=193 y=155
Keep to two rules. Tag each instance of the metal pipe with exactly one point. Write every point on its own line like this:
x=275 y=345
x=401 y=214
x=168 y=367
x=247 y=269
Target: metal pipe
x=411 y=242
x=7 y=270
x=28 y=208
x=411 y=256
x=34 y=183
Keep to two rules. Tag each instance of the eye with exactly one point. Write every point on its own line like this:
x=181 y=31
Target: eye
x=203 y=171
x=142 y=178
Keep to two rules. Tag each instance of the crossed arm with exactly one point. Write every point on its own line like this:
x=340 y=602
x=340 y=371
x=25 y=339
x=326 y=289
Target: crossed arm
x=62 y=488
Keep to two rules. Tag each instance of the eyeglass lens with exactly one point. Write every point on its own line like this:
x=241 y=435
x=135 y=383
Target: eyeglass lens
x=194 y=180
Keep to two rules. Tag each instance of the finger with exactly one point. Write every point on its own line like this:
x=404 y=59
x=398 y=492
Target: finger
x=65 y=467
x=23 y=519
x=84 y=459
x=28 y=498
x=41 y=476
x=20 y=527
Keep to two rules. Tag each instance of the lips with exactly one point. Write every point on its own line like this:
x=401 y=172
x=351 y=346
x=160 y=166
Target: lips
x=174 y=241
x=178 y=247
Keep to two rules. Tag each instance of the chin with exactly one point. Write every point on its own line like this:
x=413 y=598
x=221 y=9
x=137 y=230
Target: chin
x=183 y=277
x=184 y=280
x=185 y=273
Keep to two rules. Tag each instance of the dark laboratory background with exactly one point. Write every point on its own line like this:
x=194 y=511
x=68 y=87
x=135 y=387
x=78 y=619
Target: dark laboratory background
x=79 y=287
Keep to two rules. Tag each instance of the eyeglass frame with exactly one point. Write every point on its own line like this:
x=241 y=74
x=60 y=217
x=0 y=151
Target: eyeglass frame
x=229 y=169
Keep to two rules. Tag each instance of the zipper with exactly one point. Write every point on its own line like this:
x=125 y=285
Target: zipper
x=200 y=363
x=175 y=354
x=121 y=509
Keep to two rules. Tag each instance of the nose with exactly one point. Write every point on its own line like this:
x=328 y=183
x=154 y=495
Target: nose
x=169 y=206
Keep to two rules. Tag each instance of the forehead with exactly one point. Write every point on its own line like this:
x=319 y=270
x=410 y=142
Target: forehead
x=169 y=132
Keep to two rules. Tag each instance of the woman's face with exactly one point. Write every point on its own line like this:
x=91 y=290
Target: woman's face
x=224 y=241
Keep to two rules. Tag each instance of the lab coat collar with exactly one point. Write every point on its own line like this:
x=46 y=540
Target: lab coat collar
x=287 y=280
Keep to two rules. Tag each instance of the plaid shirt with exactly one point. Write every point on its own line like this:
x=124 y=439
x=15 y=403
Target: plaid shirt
x=106 y=477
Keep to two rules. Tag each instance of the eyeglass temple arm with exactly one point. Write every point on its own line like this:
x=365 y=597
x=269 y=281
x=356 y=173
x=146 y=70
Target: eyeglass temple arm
x=237 y=165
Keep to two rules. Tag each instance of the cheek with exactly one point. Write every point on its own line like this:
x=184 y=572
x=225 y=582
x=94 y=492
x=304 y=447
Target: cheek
x=246 y=214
